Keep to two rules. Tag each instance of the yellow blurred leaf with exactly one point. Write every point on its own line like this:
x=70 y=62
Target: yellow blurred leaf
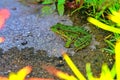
x=73 y=67
x=21 y=74
x=103 y=26
x=117 y=56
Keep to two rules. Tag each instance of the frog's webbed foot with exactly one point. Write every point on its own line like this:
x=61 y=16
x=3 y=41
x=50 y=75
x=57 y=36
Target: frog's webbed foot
x=68 y=42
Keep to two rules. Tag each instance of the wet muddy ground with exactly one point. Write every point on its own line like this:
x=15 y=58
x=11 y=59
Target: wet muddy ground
x=15 y=59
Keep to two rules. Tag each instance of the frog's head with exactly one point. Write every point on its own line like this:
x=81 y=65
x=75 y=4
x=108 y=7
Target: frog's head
x=56 y=28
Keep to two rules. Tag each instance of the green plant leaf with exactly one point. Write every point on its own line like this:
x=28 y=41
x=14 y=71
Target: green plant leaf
x=60 y=8
x=48 y=1
x=89 y=71
x=61 y=2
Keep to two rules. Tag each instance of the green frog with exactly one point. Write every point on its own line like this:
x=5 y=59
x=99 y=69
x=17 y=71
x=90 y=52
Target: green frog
x=74 y=36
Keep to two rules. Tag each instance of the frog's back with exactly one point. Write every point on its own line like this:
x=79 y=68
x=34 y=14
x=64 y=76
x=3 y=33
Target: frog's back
x=68 y=28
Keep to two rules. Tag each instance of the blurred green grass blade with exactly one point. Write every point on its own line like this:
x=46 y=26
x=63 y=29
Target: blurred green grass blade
x=48 y=1
x=89 y=71
x=60 y=8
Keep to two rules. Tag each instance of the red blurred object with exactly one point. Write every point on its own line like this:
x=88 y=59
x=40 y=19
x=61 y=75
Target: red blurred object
x=72 y=4
x=3 y=78
x=52 y=70
x=4 y=14
x=2 y=39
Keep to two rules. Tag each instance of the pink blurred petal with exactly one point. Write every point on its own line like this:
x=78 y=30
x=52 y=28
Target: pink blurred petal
x=5 y=13
x=2 y=39
x=2 y=21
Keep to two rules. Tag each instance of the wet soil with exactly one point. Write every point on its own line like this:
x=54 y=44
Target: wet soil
x=15 y=59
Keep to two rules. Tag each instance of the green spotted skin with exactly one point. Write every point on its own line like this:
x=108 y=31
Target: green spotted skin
x=74 y=36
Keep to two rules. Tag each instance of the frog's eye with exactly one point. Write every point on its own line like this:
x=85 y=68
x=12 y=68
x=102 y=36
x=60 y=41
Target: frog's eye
x=58 y=28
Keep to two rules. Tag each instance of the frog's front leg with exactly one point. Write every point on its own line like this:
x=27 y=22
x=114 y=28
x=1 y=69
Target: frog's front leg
x=68 y=42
